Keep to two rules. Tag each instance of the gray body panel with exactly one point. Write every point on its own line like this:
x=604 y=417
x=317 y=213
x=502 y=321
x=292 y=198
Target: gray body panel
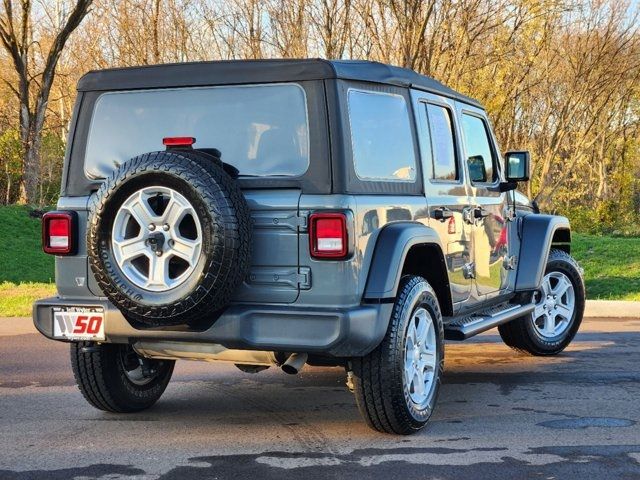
x=392 y=247
x=274 y=276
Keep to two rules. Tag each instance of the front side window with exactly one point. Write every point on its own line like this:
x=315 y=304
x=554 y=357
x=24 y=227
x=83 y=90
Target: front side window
x=480 y=158
x=381 y=137
x=445 y=166
x=262 y=130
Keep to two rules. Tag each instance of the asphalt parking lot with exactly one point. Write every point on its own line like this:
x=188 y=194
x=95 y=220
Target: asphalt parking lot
x=500 y=415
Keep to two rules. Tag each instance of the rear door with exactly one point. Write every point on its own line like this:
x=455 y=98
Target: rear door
x=445 y=187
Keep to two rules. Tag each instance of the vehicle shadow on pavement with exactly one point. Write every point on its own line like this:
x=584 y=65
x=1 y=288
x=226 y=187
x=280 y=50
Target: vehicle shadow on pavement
x=481 y=378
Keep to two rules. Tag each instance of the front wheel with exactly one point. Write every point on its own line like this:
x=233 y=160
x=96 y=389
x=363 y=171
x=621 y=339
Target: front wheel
x=559 y=306
x=396 y=385
x=114 y=378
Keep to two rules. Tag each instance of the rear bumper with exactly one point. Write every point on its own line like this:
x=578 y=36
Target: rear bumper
x=337 y=332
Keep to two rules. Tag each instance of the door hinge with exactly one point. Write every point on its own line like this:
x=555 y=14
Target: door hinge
x=304 y=278
x=469 y=270
x=302 y=221
x=468 y=215
x=510 y=262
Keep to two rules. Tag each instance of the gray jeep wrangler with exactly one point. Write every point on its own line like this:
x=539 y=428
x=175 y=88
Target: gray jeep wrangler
x=285 y=212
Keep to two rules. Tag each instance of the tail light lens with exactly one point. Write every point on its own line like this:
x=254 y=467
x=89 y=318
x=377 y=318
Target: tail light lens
x=58 y=233
x=177 y=142
x=328 y=235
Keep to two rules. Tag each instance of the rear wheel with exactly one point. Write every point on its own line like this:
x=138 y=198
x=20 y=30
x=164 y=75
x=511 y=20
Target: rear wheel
x=396 y=385
x=559 y=306
x=114 y=378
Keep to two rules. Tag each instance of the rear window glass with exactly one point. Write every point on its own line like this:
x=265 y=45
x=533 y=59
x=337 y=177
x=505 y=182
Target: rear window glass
x=381 y=137
x=262 y=130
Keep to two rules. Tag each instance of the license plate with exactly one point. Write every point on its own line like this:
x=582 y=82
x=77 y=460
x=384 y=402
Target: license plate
x=78 y=323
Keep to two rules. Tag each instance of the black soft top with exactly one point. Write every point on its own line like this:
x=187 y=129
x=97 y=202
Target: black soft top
x=236 y=72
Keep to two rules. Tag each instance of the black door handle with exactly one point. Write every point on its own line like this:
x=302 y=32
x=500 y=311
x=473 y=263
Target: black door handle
x=442 y=214
x=480 y=212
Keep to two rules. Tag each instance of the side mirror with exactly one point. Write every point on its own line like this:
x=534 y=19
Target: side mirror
x=477 y=170
x=517 y=166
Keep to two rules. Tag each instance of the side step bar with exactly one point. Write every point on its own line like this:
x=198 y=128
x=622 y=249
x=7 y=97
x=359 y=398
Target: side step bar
x=461 y=329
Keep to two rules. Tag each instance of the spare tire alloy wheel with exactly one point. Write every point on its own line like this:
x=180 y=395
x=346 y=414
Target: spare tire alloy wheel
x=157 y=238
x=169 y=238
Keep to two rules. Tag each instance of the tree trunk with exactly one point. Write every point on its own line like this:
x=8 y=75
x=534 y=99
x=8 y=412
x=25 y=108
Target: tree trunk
x=9 y=185
x=31 y=170
x=155 y=20
x=19 y=44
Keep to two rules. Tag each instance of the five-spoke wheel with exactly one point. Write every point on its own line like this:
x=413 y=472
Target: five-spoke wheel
x=156 y=238
x=555 y=305
x=420 y=357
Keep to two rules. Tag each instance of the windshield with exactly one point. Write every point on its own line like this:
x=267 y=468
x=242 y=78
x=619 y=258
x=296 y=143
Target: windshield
x=260 y=129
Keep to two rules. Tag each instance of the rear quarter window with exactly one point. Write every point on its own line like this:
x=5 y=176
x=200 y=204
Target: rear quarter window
x=381 y=137
x=262 y=130
x=445 y=165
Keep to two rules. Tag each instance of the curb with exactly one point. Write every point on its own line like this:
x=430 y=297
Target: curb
x=612 y=309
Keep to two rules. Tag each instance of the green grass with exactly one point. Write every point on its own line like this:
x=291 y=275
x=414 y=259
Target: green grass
x=21 y=255
x=611 y=266
x=26 y=272
x=16 y=299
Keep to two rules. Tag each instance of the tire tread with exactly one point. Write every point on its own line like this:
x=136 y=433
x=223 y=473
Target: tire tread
x=101 y=383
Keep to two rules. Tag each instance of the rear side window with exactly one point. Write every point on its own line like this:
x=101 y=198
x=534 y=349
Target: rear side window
x=261 y=130
x=381 y=137
x=445 y=166
x=480 y=158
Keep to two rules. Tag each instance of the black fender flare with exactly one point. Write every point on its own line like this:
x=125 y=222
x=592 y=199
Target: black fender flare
x=537 y=232
x=392 y=246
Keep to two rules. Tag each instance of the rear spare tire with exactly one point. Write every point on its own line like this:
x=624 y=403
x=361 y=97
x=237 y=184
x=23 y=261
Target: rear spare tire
x=169 y=237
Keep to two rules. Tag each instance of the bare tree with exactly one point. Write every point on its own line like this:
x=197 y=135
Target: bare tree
x=289 y=27
x=246 y=26
x=16 y=29
x=332 y=23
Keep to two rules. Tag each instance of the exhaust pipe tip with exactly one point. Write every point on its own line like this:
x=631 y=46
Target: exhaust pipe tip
x=294 y=363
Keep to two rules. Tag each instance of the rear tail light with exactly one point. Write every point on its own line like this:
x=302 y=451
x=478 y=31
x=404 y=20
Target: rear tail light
x=58 y=233
x=328 y=235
